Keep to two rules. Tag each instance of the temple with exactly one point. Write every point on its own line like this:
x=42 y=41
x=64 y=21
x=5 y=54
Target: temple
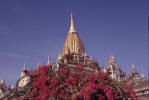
x=73 y=43
x=74 y=54
x=74 y=50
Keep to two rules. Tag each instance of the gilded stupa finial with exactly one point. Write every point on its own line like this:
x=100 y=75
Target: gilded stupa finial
x=72 y=26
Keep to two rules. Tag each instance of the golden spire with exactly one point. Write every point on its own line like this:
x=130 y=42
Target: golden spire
x=72 y=26
x=73 y=43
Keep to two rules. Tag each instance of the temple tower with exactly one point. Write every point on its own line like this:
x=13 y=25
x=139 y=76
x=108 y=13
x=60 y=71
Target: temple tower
x=73 y=43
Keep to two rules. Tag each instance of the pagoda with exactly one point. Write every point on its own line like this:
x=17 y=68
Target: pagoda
x=76 y=76
x=74 y=50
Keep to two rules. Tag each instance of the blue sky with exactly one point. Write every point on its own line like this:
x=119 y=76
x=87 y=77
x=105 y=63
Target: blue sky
x=30 y=30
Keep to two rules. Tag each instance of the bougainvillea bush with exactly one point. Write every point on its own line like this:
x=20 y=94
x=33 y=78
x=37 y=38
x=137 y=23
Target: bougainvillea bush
x=68 y=83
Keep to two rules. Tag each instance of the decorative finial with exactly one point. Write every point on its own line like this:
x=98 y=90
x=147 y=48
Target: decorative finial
x=38 y=64
x=133 y=66
x=2 y=80
x=134 y=70
x=59 y=56
x=112 y=59
x=72 y=27
x=49 y=60
x=24 y=67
